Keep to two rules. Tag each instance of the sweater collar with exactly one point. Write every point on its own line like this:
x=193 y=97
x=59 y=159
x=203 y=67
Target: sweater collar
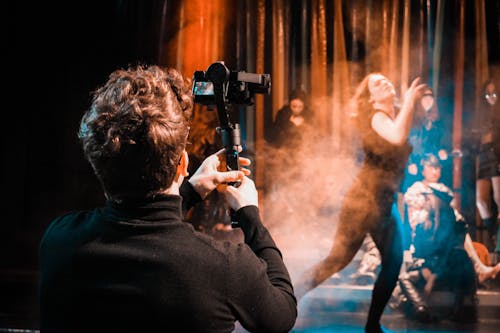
x=157 y=209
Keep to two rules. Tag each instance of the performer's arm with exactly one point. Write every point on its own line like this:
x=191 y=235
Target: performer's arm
x=396 y=130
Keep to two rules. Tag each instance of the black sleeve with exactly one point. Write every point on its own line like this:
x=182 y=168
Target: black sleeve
x=259 y=284
x=189 y=196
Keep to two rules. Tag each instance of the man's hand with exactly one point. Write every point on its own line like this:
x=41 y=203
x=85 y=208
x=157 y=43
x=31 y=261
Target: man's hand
x=244 y=195
x=212 y=173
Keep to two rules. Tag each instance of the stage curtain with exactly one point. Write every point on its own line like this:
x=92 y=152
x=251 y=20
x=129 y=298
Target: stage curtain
x=327 y=46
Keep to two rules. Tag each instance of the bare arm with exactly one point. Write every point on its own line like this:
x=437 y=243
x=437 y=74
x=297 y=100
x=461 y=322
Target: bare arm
x=396 y=131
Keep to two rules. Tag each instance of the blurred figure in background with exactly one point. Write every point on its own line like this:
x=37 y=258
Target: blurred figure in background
x=421 y=210
x=488 y=164
x=428 y=135
x=293 y=121
x=443 y=252
x=292 y=133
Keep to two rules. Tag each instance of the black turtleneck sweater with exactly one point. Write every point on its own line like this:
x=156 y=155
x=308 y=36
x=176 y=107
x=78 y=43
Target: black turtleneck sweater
x=137 y=267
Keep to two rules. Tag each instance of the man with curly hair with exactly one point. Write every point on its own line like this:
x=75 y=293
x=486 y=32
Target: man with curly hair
x=134 y=265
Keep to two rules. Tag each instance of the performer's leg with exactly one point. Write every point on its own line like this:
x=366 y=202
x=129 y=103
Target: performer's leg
x=495 y=182
x=483 y=272
x=366 y=272
x=349 y=236
x=389 y=240
x=483 y=197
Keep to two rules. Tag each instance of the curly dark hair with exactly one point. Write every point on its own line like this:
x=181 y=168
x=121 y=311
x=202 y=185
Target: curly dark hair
x=136 y=129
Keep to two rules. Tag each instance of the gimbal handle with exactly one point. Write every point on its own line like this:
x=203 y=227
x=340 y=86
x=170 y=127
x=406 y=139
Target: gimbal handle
x=218 y=74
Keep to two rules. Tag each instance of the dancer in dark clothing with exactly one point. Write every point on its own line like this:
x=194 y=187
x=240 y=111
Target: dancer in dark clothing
x=369 y=205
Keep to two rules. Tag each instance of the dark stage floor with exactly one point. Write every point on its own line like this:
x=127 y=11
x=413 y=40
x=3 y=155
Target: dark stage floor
x=335 y=306
x=353 y=323
x=339 y=306
x=343 y=308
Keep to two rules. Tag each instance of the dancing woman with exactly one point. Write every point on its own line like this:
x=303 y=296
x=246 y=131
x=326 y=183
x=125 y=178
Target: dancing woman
x=369 y=205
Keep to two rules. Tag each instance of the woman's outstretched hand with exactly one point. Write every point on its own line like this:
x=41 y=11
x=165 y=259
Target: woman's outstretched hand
x=415 y=91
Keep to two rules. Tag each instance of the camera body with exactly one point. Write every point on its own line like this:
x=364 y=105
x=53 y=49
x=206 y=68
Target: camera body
x=238 y=87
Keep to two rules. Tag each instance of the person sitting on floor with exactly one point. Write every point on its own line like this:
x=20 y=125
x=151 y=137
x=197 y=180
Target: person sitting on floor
x=438 y=238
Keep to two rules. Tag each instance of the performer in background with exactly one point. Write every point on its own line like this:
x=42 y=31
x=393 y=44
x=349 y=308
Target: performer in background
x=421 y=210
x=294 y=121
x=488 y=163
x=428 y=135
x=293 y=133
x=442 y=248
x=369 y=205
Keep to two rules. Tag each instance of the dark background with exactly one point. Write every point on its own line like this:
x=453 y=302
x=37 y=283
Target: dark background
x=56 y=55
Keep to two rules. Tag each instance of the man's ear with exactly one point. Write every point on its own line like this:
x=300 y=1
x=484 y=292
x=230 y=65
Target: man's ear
x=182 y=168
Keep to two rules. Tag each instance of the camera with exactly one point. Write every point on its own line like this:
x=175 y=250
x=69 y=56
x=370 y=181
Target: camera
x=238 y=87
x=222 y=88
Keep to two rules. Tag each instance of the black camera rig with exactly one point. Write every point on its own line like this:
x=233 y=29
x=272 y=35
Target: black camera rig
x=222 y=88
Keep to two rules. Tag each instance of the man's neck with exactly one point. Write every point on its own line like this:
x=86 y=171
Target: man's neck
x=173 y=189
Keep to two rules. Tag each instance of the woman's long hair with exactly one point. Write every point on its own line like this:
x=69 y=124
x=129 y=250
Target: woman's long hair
x=360 y=105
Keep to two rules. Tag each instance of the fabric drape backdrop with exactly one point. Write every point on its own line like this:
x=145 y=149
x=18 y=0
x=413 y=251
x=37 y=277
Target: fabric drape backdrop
x=326 y=47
